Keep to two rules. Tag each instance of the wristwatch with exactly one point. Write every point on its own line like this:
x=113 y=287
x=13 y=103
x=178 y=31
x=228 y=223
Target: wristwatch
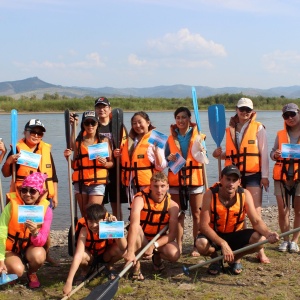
x=155 y=244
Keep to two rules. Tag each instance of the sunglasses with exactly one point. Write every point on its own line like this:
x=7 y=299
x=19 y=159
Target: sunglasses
x=31 y=191
x=290 y=114
x=245 y=109
x=91 y=122
x=36 y=133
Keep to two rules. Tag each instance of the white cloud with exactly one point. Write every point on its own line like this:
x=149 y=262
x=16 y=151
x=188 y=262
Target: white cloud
x=92 y=61
x=186 y=42
x=134 y=60
x=281 y=61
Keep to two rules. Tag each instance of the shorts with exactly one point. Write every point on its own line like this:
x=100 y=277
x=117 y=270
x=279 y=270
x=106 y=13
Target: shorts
x=93 y=189
x=279 y=188
x=251 y=180
x=236 y=240
x=174 y=190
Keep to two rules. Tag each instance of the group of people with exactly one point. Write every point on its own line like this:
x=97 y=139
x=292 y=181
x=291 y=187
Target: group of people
x=157 y=196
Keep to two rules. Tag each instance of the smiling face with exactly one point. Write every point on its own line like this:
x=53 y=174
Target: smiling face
x=90 y=126
x=140 y=125
x=33 y=136
x=93 y=225
x=291 y=118
x=158 y=190
x=29 y=195
x=243 y=113
x=183 y=120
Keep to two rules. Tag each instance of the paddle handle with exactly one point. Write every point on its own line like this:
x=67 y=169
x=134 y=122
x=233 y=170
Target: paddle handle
x=85 y=282
x=186 y=270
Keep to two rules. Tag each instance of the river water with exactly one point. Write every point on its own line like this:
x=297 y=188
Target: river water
x=55 y=135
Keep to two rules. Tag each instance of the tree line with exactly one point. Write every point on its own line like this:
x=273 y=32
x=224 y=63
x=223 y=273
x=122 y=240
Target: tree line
x=58 y=103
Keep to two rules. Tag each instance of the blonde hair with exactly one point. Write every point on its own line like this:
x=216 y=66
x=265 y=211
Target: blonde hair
x=159 y=176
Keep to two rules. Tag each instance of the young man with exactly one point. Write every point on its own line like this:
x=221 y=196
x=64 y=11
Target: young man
x=222 y=219
x=156 y=203
x=90 y=247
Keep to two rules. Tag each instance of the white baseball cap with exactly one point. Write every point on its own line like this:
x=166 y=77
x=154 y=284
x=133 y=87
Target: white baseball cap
x=245 y=102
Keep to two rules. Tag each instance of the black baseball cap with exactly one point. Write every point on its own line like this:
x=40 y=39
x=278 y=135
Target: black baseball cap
x=229 y=170
x=34 y=123
x=102 y=100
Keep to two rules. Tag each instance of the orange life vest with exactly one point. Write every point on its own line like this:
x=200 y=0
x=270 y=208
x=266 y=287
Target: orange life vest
x=225 y=219
x=93 y=243
x=281 y=167
x=247 y=156
x=191 y=174
x=154 y=216
x=45 y=166
x=87 y=171
x=18 y=237
x=137 y=163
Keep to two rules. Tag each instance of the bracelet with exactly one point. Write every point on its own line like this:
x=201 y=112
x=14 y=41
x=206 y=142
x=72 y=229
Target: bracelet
x=35 y=234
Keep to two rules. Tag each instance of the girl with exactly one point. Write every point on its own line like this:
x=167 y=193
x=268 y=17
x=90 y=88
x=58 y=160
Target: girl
x=23 y=242
x=90 y=175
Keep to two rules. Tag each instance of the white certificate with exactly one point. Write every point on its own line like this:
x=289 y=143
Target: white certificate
x=100 y=149
x=157 y=138
x=176 y=166
x=290 y=150
x=111 y=230
x=35 y=213
x=29 y=159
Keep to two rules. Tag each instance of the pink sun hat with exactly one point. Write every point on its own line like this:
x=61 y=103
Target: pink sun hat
x=35 y=180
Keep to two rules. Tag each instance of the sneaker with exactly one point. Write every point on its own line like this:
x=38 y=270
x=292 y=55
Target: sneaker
x=284 y=246
x=294 y=248
x=33 y=281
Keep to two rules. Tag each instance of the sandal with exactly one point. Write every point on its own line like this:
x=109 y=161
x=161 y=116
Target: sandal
x=158 y=267
x=235 y=268
x=137 y=276
x=110 y=274
x=214 y=268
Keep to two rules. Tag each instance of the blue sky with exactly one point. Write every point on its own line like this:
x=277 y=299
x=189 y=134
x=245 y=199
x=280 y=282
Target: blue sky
x=145 y=43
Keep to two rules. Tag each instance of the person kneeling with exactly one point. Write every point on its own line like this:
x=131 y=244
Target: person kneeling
x=222 y=218
x=22 y=243
x=152 y=210
x=90 y=249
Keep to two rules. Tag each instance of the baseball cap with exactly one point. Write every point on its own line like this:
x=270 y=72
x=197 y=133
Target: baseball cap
x=102 y=100
x=89 y=114
x=290 y=107
x=35 y=123
x=229 y=170
x=245 y=102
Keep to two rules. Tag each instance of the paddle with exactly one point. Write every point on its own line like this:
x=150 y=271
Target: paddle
x=108 y=290
x=186 y=270
x=197 y=117
x=14 y=138
x=217 y=126
x=6 y=278
x=117 y=132
x=68 y=142
x=85 y=282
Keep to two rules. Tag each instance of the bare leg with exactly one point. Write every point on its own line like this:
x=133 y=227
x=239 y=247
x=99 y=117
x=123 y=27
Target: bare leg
x=49 y=259
x=115 y=210
x=179 y=238
x=283 y=216
x=36 y=257
x=14 y=264
x=195 y=203
x=256 y=193
x=82 y=200
x=95 y=199
x=296 y=219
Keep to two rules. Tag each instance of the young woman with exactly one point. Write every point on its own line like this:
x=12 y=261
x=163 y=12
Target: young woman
x=90 y=248
x=247 y=148
x=188 y=183
x=21 y=242
x=286 y=177
x=139 y=159
x=33 y=142
x=90 y=175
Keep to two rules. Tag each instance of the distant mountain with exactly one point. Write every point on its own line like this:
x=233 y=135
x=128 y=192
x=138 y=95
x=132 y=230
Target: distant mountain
x=35 y=86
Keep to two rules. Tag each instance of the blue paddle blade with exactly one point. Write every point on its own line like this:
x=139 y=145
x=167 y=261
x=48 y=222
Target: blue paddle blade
x=196 y=110
x=6 y=278
x=14 y=130
x=217 y=122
